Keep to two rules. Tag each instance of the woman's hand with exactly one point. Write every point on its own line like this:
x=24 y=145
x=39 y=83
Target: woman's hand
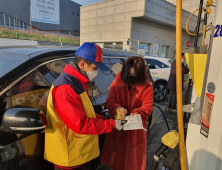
x=131 y=114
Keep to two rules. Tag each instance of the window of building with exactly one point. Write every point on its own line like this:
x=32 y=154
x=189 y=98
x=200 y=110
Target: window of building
x=114 y=45
x=2 y=20
x=73 y=13
x=144 y=49
x=75 y=33
x=21 y=24
x=12 y=22
x=155 y=50
x=17 y=23
x=25 y=26
x=64 y=32
x=163 y=51
x=7 y=20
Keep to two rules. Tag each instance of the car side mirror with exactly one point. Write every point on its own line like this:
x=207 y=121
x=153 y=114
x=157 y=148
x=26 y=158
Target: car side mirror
x=23 y=120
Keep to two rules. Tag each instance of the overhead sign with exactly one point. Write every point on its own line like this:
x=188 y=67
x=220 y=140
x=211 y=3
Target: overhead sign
x=46 y=11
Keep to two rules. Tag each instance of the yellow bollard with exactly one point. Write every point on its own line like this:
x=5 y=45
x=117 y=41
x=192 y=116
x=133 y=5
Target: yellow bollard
x=179 y=83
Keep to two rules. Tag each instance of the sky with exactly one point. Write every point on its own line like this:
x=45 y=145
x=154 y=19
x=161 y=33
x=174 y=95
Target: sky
x=86 y=2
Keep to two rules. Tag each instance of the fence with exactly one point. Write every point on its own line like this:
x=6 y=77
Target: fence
x=37 y=37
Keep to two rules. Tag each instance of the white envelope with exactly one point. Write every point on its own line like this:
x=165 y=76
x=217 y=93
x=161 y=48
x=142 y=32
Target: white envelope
x=133 y=122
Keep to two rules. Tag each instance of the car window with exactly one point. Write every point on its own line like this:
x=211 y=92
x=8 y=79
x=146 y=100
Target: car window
x=101 y=84
x=155 y=64
x=8 y=62
x=28 y=92
x=150 y=64
x=33 y=90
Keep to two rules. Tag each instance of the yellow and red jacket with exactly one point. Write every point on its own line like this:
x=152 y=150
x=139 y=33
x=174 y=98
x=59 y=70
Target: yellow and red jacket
x=71 y=138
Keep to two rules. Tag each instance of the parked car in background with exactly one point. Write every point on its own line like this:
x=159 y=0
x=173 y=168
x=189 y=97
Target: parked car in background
x=160 y=71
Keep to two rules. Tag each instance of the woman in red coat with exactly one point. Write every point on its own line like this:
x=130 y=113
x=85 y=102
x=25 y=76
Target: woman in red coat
x=131 y=90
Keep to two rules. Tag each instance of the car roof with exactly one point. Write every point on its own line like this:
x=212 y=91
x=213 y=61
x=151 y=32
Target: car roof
x=31 y=51
x=29 y=56
x=154 y=57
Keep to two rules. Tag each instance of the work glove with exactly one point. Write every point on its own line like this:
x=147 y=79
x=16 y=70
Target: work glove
x=119 y=124
x=121 y=108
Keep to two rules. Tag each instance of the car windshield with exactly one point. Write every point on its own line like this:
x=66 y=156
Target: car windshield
x=8 y=62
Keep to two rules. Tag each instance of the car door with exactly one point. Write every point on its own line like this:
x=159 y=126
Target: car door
x=158 y=69
x=25 y=152
x=21 y=151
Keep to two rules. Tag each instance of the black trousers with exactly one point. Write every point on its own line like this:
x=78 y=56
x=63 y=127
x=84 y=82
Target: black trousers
x=172 y=99
x=85 y=166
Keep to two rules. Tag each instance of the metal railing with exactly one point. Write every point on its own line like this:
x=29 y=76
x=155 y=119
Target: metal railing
x=37 y=31
x=37 y=36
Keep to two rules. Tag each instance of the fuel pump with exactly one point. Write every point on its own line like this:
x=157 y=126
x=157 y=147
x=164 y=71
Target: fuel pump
x=204 y=136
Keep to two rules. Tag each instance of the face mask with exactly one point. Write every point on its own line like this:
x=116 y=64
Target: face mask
x=92 y=74
x=132 y=79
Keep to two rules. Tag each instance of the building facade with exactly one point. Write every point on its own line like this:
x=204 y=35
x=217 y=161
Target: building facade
x=144 y=26
x=16 y=14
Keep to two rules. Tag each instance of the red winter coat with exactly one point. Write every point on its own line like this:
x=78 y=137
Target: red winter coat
x=126 y=150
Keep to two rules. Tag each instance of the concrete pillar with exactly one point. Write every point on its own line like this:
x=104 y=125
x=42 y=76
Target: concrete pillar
x=4 y=20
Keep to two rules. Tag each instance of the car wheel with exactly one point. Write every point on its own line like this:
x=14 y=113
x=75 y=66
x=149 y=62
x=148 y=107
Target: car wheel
x=160 y=92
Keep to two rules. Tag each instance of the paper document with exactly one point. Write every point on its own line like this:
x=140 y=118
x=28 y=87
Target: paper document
x=133 y=122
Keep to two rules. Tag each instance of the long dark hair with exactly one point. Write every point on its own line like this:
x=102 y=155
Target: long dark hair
x=138 y=63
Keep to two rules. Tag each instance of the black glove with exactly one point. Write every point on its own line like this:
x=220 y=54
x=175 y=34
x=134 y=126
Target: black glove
x=109 y=117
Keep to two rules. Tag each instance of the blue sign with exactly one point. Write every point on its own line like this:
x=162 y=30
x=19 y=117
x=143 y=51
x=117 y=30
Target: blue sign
x=218 y=32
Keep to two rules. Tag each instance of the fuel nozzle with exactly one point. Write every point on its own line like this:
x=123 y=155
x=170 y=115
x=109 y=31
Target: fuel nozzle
x=207 y=11
x=209 y=3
